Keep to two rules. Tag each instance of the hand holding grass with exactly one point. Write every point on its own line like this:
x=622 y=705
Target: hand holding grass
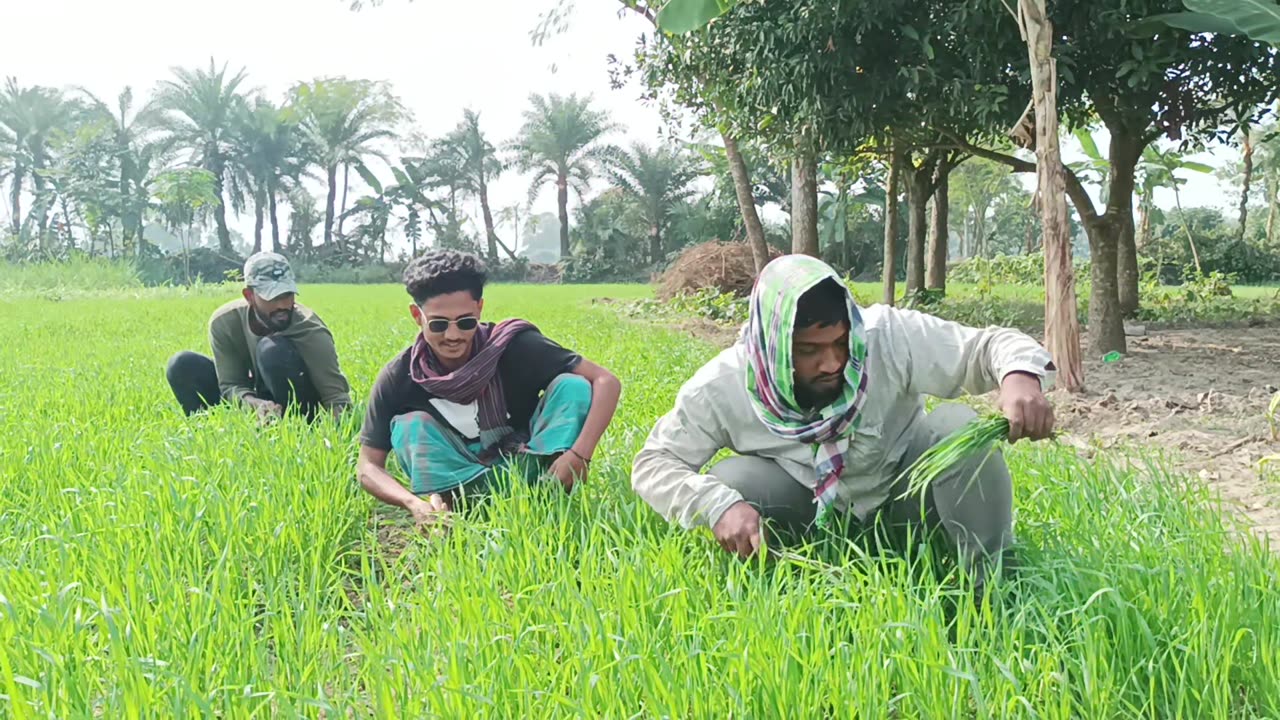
x=1023 y=403
x=1027 y=414
x=430 y=514
x=570 y=469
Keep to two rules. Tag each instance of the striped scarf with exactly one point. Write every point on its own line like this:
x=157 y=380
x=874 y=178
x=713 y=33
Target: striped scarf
x=477 y=380
x=770 y=375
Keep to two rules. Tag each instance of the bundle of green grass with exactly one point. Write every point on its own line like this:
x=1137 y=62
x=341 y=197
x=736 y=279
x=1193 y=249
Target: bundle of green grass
x=979 y=437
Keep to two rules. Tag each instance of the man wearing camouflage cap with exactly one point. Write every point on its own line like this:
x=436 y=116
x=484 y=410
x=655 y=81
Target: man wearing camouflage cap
x=269 y=352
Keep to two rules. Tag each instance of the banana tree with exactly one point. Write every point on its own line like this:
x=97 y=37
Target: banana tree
x=835 y=208
x=1159 y=168
x=1256 y=19
x=682 y=16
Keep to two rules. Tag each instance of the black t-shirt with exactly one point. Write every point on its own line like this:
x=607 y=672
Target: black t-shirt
x=528 y=365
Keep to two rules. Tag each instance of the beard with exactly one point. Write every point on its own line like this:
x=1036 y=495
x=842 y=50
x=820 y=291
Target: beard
x=816 y=397
x=276 y=321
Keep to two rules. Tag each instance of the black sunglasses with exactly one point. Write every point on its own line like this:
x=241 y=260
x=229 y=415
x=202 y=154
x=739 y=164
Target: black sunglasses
x=439 y=326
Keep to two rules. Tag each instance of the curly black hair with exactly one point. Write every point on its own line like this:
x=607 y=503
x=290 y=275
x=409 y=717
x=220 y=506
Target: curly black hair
x=440 y=272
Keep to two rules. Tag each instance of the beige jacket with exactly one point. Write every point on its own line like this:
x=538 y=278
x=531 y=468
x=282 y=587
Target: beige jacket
x=909 y=355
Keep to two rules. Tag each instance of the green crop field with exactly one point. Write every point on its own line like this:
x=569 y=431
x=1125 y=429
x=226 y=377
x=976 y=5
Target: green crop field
x=155 y=566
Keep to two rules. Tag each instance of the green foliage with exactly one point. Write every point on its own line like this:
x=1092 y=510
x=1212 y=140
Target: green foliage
x=314 y=271
x=196 y=265
x=559 y=144
x=76 y=275
x=979 y=437
x=1256 y=19
x=131 y=530
x=682 y=16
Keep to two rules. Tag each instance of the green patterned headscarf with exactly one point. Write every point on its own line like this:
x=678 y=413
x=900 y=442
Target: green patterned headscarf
x=770 y=374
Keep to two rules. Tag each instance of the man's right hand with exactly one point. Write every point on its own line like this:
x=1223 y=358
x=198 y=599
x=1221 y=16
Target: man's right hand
x=430 y=514
x=738 y=530
x=266 y=410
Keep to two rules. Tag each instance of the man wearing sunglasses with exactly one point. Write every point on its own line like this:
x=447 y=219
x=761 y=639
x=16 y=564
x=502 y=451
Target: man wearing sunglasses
x=469 y=404
x=269 y=352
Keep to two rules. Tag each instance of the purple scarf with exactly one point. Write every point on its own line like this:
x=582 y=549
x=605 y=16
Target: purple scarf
x=477 y=380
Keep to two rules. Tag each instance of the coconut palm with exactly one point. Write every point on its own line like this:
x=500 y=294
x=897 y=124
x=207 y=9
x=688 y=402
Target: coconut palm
x=656 y=180
x=31 y=121
x=559 y=142
x=137 y=154
x=200 y=109
x=271 y=158
x=481 y=165
x=343 y=121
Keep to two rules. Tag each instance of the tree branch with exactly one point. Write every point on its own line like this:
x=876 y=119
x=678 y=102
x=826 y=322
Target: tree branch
x=1016 y=163
x=1079 y=197
x=1075 y=189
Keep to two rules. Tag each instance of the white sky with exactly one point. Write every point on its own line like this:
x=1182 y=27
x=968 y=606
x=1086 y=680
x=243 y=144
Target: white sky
x=440 y=56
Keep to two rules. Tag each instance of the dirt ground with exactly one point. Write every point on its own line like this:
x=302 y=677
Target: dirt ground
x=1200 y=396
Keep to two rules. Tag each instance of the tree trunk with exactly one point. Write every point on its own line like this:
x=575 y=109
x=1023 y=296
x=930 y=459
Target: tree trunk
x=804 y=203
x=920 y=185
x=1106 y=320
x=747 y=203
x=655 y=244
x=259 y=217
x=1191 y=240
x=275 y=223
x=562 y=205
x=918 y=189
x=1127 y=261
x=1248 y=178
x=220 y=209
x=1144 y=225
x=330 y=199
x=15 y=202
x=1061 y=318
x=346 y=185
x=1271 y=212
x=891 y=227
x=490 y=234
x=41 y=207
x=938 y=239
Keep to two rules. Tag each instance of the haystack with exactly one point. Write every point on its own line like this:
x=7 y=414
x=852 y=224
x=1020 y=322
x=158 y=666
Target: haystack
x=727 y=267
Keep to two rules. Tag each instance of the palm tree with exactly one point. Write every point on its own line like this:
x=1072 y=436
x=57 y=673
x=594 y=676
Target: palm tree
x=343 y=120
x=656 y=180
x=201 y=107
x=136 y=154
x=31 y=119
x=269 y=152
x=445 y=169
x=559 y=142
x=481 y=165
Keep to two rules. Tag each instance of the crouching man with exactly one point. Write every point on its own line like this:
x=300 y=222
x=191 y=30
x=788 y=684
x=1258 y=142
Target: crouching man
x=270 y=353
x=467 y=400
x=823 y=404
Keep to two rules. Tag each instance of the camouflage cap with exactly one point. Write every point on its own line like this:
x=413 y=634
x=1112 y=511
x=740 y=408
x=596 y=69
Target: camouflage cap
x=268 y=274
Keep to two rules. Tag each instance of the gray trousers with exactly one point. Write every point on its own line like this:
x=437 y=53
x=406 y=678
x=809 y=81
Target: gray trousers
x=974 y=511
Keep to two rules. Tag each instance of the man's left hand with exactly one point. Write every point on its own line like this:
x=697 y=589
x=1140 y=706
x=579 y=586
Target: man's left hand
x=569 y=469
x=1028 y=410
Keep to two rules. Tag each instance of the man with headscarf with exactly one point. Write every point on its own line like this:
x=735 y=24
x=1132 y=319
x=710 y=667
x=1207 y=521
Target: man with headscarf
x=823 y=404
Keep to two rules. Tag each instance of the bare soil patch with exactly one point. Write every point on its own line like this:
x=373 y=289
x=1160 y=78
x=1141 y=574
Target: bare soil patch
x=1201 y=396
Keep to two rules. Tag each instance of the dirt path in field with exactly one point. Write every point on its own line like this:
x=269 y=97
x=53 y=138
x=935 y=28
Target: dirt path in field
x=1199 y=395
